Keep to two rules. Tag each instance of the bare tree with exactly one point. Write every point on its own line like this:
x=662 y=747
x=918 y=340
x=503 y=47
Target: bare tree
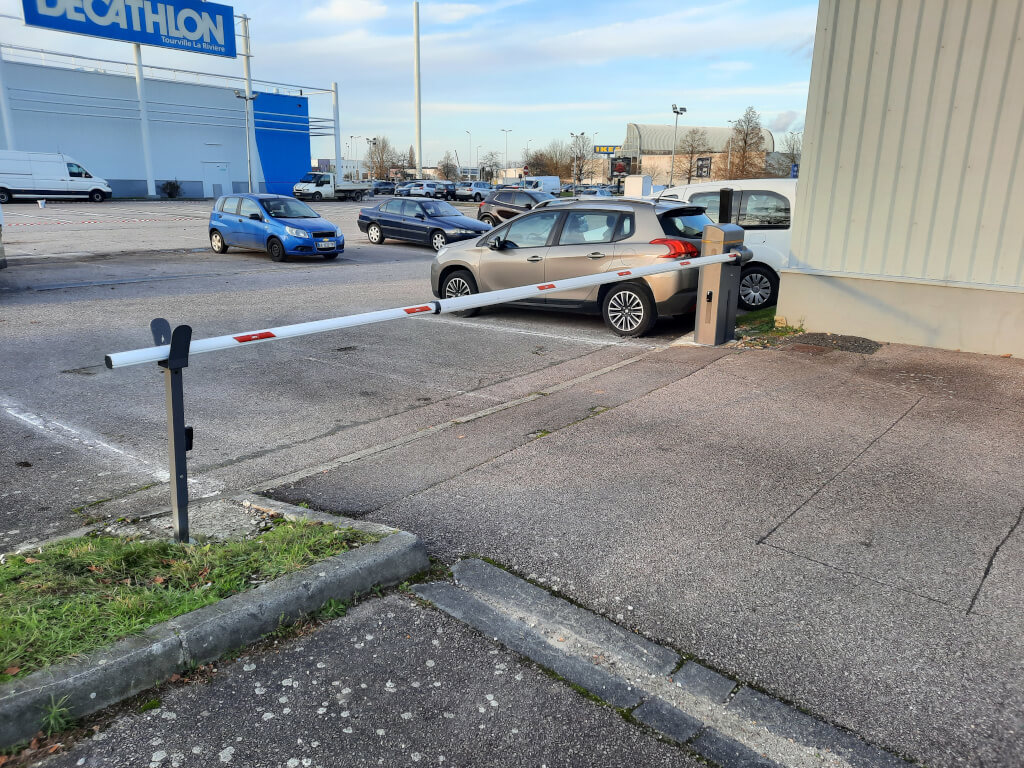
x=448 y=169
x=693 y=146
x=553 y=160
x=747 y=148
x=410 y=160
x=490 y=164
x=581 y=150
x=381 y=157
x=781 y=163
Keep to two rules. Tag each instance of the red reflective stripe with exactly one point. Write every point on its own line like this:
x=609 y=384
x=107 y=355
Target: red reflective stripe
x=254 y=336
x=623 y=274
x=414 y=310
x=545 y=287
x=684 y=262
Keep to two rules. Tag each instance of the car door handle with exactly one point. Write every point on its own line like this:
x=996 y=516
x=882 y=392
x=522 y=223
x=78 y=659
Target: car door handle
x=535 y=258
x=595 y=255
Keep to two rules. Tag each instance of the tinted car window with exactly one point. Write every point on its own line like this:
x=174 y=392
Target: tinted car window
x=522 y=199
x=394 y=206
x=248 y=207
x=761 y=208
x=531 y=231
x=410 y=208
x=229 y=205
x=626 y=227
x=504 y=197
x=588 y=227
x=684 y=223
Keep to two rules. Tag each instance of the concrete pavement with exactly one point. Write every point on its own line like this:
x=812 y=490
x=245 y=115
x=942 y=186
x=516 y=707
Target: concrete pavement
x=838 y=529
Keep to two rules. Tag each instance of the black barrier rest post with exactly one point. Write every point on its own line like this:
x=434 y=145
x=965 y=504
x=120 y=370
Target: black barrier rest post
x=179 y=436
x=725 y=205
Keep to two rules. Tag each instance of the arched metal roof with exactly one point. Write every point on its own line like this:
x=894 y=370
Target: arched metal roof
x=648 y=139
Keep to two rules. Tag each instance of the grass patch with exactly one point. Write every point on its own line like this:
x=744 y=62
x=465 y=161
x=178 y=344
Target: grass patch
x=82 y=594
x=758 y=329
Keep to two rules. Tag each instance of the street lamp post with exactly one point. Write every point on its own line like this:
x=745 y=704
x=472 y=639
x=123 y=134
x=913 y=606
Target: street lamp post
x=506 y=131
x=478 y=146
x=470 y=152
x=248 y=99
x=677 y=111
x=728 y=166
x=355 y=151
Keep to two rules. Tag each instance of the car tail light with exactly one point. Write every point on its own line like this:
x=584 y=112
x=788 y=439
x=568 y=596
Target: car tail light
x=677 y=249
x=481 y=204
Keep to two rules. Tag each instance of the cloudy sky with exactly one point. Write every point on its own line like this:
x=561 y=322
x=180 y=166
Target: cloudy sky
x=542 y=68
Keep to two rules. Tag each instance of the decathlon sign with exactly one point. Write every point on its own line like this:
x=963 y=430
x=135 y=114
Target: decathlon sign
x=188 y=25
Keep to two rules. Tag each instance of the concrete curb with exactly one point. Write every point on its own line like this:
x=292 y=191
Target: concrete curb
x=136 y=663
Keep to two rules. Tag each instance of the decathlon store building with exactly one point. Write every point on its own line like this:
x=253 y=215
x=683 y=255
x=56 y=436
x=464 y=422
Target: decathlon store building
x=90 y=109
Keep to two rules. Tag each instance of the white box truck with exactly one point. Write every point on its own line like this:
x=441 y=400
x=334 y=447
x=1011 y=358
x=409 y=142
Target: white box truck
x=47 y=175
x=323 y=186
x=550 y=184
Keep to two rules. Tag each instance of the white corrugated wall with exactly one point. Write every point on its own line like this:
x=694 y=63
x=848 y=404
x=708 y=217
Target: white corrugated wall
x=912 y=165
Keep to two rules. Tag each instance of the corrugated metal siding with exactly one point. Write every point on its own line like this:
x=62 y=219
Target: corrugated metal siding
x=912 y=164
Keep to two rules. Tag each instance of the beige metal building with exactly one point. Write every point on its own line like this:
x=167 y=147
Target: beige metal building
x=651 y=146
x=909 y=219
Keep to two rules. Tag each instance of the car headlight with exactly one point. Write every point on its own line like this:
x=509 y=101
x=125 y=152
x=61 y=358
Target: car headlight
x=465 y=231
x=296 y=232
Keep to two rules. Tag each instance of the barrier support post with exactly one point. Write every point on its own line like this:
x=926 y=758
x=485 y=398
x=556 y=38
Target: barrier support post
x=179 y=436
x=718 y=284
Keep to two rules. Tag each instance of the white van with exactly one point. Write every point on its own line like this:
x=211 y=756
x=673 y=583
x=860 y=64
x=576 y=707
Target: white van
x=47 y=175
x=550 y=184
x=763 y=207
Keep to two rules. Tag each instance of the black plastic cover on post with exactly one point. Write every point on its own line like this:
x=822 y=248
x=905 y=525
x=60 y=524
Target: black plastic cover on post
x=725 y=205
x=179 y=436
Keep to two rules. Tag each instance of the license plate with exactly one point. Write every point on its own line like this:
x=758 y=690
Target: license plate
x=325 y=245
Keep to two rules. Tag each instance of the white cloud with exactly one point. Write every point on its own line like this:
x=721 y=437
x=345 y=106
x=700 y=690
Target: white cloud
x=450 y=13
x=349 y=11
x=517 y=108
x=784 y=120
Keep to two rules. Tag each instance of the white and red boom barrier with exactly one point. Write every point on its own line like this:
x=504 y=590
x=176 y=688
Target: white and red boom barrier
x=433 y=307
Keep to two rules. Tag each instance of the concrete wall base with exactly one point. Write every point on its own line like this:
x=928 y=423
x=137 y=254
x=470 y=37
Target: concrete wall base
x=948 y=317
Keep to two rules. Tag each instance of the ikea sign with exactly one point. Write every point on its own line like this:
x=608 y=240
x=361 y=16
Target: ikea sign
x=187 y=25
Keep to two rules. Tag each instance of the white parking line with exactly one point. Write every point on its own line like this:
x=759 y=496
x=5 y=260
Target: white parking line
x=609 y=342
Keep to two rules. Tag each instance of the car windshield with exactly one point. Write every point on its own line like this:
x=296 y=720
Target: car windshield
x=538 y=196
x=287 y=208
x=310 y=178
x=684 y=222
x=440 y=209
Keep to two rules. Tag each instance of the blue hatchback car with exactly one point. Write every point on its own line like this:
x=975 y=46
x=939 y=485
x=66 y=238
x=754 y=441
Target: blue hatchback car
x=280 y=225
x=431 y=222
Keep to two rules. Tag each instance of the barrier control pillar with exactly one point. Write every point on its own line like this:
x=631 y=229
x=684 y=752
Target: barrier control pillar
x=718 y=285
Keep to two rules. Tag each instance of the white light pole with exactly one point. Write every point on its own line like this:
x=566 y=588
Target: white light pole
x=416 y=78
x=478 y=146
x=355 y=153
x=506 y=131
x=728 y=167
x=677 y=111
x=470 y=152
x=248 y=98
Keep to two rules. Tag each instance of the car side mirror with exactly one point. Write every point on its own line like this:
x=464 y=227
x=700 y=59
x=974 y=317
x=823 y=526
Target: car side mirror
x=420 y=216
x=255 y=217
x=495 y=244
x=529 y=206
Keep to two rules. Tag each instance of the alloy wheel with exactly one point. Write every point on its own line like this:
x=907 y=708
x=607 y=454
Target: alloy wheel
x=626 y=311
x=456 y=287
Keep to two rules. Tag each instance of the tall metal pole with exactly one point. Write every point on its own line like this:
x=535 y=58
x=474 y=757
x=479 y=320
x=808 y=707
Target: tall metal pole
x=672 y=166
x=416 y=77
x=249 y=122
x=140 y=89
x=337 y=134
x=470 y=153
x=506 y=131
x=5 y=110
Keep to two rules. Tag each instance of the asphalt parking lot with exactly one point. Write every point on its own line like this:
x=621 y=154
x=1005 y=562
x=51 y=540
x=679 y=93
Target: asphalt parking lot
x=805 y=523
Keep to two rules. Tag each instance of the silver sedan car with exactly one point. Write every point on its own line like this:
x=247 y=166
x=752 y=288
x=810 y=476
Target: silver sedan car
x=582 y=237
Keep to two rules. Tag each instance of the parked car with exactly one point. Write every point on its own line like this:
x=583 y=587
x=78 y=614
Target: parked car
x=570 y=238
x=402 y=190
x=383 y=187
x=280 y=225
x=422 y=189
x=432 y=222
x=593 y=192
x=473 y=190
x=763 y=207
x=505 y=204
x=47 y=175
x=444 y=190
